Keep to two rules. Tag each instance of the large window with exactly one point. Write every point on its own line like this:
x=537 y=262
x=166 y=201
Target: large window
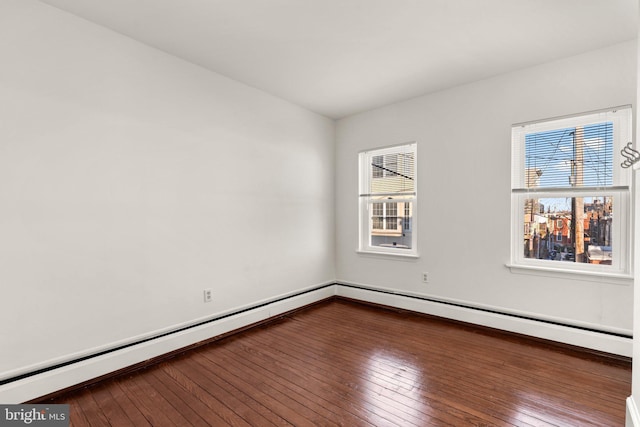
x=388 y=200
x=570 y=197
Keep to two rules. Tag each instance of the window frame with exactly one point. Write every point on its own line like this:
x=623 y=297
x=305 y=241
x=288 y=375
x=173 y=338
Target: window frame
x=366 y=202
x=620 y=190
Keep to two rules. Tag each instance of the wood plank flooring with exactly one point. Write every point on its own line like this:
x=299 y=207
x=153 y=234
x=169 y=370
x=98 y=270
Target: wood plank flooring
x=345 y=363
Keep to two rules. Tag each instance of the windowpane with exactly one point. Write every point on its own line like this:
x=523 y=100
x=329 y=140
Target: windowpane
x=377 y=219
x=391 y=215
x=572 y=229
x=387 y=229
x=393 y=173
x=406 y=220
x=388 y=200
x=580 y=156
x=565 y=174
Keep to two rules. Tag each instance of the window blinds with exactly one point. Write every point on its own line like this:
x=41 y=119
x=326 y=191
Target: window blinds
x=572 y=157
x=391 y=172
x=568 y=153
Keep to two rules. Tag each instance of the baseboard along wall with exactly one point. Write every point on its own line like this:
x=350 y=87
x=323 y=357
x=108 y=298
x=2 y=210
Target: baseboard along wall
x=614 y=342
x=28 y=386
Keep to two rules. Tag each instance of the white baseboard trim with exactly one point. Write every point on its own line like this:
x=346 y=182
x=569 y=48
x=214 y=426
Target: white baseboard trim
x=600 y=341
x=633 y=416
x=50 y=381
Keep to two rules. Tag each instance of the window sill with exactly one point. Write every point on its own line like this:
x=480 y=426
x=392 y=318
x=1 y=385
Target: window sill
x=391 y=255
x=590 y=276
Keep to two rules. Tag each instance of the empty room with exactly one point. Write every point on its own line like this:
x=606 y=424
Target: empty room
x=319 y=212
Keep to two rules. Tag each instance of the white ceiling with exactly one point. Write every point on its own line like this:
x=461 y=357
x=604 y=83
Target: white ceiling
x=340 y=57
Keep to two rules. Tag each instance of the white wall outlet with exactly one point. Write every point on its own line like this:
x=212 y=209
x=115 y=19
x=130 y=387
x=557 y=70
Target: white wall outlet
x=425 y=277
x=208 y=295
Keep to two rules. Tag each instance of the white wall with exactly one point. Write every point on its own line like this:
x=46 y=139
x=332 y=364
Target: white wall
x=633 y=401
x=131 y=180
x=463 y=137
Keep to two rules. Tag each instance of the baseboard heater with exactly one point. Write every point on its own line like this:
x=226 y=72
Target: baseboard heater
x=162 y=335
x=307 y=291
x=485 y=310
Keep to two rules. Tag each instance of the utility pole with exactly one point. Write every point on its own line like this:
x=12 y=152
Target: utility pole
x=577 y=203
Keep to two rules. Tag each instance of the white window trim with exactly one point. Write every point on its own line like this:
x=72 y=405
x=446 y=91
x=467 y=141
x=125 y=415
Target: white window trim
x=388 y=255
x=621 y=270
x=364 y=246
x=590 y=276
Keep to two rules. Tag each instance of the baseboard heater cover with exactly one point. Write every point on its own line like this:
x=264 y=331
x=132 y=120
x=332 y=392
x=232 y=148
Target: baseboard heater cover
x=262 y=311
x=16 y=389
x=614 y=342
x=485 y=310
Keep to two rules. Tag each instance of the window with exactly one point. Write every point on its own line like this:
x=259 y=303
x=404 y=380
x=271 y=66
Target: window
x=377 y=216
x=406 y=221
x=388 y=200
x=566 y=180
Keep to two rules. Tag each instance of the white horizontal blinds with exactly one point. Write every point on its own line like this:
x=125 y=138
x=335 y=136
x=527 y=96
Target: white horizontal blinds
x=391 y=172
x=580 y=156
x=574 y=152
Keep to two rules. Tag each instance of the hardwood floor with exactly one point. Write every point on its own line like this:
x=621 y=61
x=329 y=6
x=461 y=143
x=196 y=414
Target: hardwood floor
x=345 y=363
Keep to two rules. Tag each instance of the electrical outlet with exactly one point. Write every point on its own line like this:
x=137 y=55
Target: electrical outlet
x=208 y=295
x=425 y=277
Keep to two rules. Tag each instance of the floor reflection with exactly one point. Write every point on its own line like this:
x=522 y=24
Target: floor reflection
x=395 y=384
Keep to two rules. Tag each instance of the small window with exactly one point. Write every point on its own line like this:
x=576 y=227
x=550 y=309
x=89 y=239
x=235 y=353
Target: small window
x=566 y=180
x=406 y=221
x=388 y=200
